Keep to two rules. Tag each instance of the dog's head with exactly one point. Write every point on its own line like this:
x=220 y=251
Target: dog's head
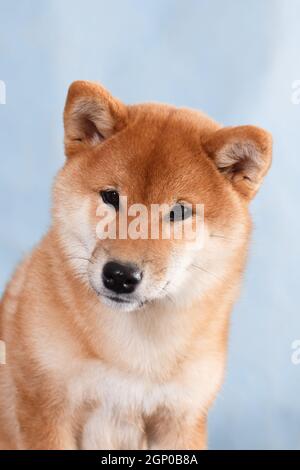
x=154 y=154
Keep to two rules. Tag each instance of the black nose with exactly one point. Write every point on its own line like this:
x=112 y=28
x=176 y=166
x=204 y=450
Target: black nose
x=121 y=278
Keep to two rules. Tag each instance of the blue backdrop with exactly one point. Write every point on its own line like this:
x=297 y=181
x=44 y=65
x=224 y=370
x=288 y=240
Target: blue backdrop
x=236 y=60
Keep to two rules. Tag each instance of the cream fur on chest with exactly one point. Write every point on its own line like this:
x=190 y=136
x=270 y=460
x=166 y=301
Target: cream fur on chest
x=124 y=401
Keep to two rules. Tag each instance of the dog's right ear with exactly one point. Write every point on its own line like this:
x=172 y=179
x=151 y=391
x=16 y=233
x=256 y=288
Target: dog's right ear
x=91 y=115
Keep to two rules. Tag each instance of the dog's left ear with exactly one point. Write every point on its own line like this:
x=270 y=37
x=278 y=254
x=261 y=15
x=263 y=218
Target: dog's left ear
x=243 y=154
x=91 y=115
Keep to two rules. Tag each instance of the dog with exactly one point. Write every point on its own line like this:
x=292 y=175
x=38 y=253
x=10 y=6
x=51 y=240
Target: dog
x=120 y=343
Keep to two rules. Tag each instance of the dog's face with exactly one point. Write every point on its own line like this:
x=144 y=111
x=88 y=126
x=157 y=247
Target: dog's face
x=161 y=155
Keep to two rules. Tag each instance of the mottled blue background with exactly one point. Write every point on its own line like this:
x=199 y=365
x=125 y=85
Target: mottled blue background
x=234 y=59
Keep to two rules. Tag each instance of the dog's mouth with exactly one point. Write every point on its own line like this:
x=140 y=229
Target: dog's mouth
x=119 y=300
x=133 y=304
x=119 y=303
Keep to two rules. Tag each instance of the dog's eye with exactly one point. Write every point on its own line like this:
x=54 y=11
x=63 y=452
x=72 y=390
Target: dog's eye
x=111 y=198
x=180 y=212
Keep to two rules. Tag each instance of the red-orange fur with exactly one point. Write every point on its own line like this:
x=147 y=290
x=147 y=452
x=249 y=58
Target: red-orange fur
x=154 y=152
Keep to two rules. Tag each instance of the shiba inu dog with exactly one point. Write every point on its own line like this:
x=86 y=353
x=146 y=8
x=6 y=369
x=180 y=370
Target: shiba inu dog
x=120 y=343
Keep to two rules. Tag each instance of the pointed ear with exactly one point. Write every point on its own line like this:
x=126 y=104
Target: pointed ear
x=243 y=154
x=91 y=115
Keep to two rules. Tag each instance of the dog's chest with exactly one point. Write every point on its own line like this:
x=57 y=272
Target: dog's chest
x=123 y=401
